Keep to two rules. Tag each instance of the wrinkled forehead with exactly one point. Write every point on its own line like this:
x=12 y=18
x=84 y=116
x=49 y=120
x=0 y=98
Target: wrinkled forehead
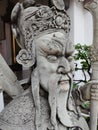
x=48 y=38
x=55 y=41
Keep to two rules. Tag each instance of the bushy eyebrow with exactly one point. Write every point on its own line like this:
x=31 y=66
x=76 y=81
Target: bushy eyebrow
x=51 y=47
x=60 y=41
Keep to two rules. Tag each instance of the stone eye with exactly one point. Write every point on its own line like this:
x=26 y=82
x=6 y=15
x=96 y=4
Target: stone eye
x=52 y=58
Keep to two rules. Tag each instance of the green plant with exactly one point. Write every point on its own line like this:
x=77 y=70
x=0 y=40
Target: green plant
x=82 y=54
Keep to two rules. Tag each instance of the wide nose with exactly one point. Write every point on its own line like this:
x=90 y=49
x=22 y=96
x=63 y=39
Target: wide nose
x=64 y=66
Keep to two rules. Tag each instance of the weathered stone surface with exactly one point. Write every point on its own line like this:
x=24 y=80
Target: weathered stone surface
x=42 y=33
x=20 y=113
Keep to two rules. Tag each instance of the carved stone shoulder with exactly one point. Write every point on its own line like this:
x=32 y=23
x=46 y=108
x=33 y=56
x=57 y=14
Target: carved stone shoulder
x=19 y=114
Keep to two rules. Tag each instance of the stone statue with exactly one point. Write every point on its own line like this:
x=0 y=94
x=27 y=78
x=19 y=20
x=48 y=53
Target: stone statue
x=42 y=33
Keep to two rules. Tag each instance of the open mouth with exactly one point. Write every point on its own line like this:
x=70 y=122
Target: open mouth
x=64 y=85
x=63 y=82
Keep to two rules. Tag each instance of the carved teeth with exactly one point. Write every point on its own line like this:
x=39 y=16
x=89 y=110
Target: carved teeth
x=63 y=82
x=64 y=85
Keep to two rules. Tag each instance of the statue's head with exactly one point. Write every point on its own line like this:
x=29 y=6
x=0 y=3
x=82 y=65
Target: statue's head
x=42 y=33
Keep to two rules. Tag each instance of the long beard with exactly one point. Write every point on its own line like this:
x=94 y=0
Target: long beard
x=53 y=91
x=59 y=96
x=59 y=101
x=59 y=91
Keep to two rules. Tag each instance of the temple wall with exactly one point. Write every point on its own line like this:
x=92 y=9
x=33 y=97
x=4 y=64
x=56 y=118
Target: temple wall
x=81 y=30
x=81 y=23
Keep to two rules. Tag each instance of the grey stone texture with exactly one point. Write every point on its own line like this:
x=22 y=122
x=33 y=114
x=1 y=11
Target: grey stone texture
x=20 y=113
x=43 y=35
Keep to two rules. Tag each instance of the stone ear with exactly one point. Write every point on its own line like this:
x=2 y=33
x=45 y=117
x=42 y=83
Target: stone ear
x=26 y=57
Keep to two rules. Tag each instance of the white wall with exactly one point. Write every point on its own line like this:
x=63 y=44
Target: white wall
x=81 y=29
x=81 y=23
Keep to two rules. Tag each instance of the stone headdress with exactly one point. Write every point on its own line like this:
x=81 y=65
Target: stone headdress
x=31 y=21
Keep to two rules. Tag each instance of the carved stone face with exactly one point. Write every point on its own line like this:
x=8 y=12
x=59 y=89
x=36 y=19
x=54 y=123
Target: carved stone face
x=54 y=57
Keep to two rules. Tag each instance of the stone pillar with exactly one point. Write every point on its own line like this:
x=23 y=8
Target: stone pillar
x=81 y=23
x=1 y=101
x=92 y=6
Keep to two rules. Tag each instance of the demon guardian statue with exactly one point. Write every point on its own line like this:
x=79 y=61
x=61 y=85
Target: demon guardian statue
x=43 y=35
